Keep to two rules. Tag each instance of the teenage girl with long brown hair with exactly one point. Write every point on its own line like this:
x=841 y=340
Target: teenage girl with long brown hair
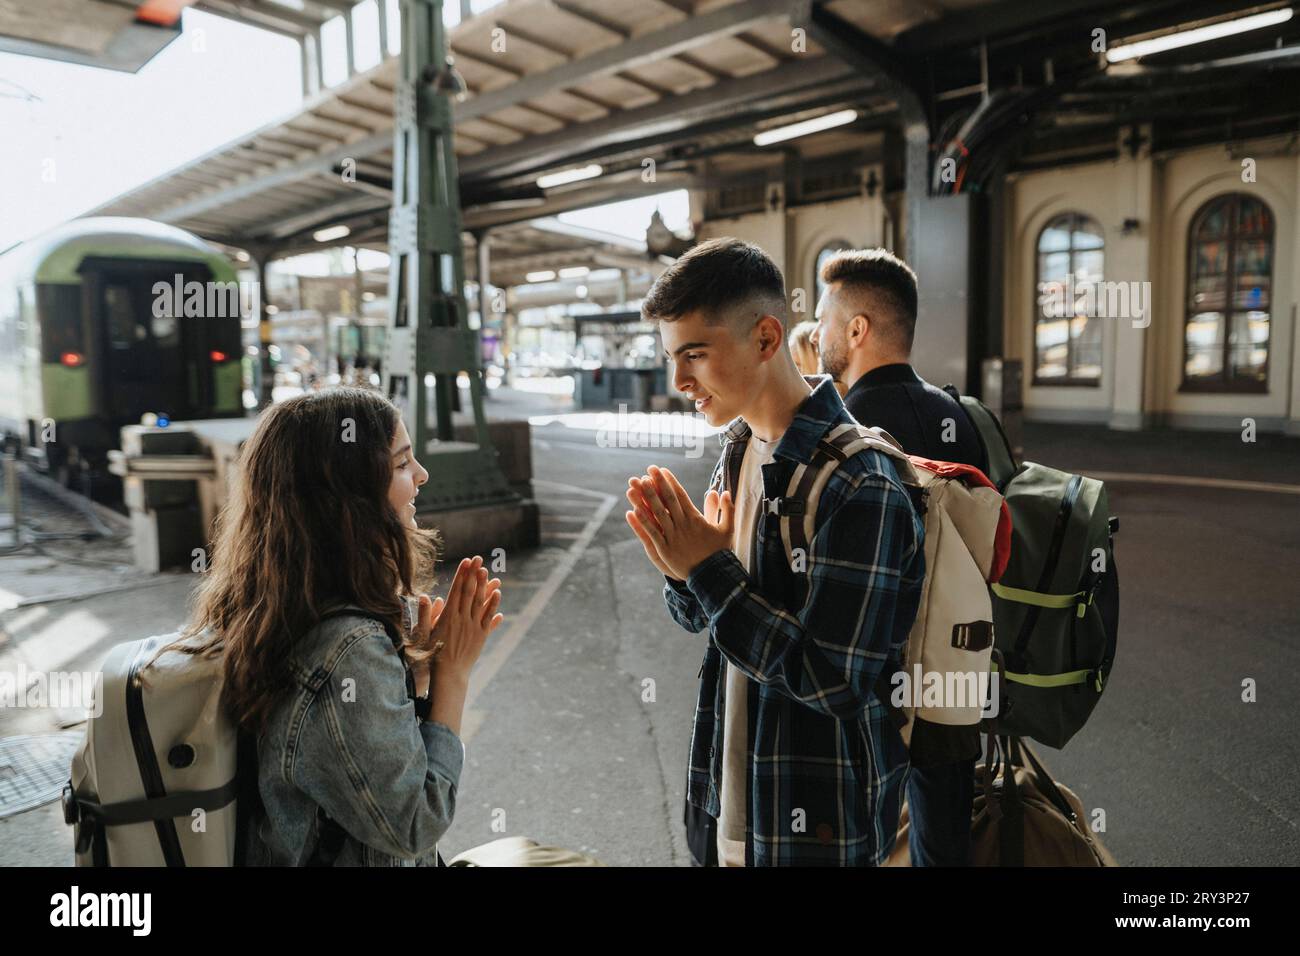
x=350 y=680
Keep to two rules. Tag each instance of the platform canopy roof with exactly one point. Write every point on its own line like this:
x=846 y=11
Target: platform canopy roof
x=615 y=80
x=620 y=82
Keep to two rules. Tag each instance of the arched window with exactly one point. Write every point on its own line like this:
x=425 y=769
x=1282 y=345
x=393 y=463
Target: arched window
x=1067 y=328
x=828 y=250
x=1229 y=296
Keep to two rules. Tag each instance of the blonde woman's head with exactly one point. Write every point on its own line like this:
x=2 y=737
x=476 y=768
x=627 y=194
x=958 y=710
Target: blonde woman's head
x=802 y=348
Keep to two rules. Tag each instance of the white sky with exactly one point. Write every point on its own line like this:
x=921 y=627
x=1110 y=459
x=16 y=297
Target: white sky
x=631 y=216
x=73 y=137
x=98 y=133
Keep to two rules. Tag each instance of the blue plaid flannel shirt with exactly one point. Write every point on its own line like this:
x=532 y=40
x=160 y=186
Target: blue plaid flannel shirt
x=826 y=765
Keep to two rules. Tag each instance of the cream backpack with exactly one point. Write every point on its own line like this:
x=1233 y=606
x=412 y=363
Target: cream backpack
x=163 y=777
x=154 y=782
x=946 y=675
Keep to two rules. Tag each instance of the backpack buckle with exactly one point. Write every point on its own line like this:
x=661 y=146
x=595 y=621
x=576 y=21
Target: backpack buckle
x=975 y=636
x=781 y=507
x=1081 y=609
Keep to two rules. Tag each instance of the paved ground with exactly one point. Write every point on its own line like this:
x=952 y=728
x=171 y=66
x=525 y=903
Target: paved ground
x=564 y=736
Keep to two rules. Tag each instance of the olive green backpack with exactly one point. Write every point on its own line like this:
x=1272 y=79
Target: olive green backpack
x=1056 y=608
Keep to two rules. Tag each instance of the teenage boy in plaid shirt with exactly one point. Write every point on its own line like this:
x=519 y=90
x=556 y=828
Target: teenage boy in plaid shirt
x=793 y=752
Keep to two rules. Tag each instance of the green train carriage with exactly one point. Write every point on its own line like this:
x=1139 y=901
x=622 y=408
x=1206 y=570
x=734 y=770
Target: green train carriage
x=88 y=344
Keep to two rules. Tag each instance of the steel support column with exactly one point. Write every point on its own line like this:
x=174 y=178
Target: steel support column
x=864 y=52
x=310 y=66
x=428 y=331
x=484 y=271
x=261 y=256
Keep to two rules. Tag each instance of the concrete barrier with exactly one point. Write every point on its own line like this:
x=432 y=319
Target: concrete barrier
x=176 y=480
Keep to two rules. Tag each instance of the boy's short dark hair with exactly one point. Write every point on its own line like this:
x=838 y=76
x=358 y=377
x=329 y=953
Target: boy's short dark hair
x=883 y=274
x=724 y=278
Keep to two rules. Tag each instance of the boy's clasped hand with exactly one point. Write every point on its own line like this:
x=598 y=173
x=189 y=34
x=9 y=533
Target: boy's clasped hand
x=675 y=535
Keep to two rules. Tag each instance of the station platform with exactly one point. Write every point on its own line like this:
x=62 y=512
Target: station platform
x=558 y=736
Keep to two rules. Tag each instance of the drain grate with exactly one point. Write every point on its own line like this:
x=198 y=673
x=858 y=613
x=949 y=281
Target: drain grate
x=34 y=769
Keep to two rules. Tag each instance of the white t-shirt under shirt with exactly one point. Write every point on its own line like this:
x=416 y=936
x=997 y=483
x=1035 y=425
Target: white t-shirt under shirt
x=735 y=733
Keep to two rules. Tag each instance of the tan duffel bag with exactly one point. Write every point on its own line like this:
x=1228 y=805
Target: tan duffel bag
x=1033 y=822
x=1027 y=818
x=521 y=851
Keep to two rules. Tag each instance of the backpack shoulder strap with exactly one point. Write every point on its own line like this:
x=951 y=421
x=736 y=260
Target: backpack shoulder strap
x=248 y=802
x=797 y=512
x=728 y=474
x=1001 y=459
x=835 y=448
x=845 y=441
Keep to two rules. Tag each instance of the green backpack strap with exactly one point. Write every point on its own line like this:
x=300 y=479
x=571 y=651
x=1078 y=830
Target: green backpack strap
x=1054 y=680
x=1078 y=600
x=1002 y=460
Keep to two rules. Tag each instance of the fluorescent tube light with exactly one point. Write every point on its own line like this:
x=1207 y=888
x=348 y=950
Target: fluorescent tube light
x=331 y=232
x=1215 y=31
x=816 y=125
x=566 y=176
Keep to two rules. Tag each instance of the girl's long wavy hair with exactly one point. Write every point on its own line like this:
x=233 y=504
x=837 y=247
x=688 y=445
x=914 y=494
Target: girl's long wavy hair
x=308 y=526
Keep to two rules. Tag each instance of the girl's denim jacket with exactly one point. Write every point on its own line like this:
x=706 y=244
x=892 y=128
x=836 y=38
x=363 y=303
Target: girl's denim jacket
x=346 y=745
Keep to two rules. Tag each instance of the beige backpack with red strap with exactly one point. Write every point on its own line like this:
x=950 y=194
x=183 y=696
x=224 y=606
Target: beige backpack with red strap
x=946 y=677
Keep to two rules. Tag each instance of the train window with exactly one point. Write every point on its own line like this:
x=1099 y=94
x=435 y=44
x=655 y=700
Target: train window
x=123 y=330
x=59 y=308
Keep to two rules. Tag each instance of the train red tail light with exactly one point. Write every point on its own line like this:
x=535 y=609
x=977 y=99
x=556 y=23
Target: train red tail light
x=72 y=359
x=217 y=356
